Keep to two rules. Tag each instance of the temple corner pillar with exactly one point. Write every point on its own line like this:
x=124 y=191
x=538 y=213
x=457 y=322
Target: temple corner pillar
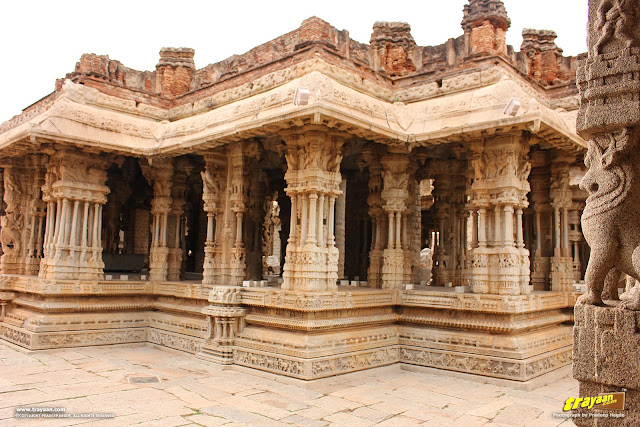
x=313 y=156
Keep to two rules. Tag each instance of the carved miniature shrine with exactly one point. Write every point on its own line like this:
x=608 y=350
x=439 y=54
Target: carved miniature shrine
x=270 y=210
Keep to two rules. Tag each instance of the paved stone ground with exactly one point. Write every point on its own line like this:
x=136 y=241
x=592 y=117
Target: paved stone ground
x=193 y=392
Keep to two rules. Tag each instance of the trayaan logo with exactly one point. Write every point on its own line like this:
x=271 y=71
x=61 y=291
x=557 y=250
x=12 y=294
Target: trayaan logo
x=608 y=401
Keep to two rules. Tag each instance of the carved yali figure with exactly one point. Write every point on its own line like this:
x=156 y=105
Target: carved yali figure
x=611 y=218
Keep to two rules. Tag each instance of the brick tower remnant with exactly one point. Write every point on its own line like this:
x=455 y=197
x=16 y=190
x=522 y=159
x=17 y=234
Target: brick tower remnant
x=175 y=70
x=395 y=50
x=485 y=24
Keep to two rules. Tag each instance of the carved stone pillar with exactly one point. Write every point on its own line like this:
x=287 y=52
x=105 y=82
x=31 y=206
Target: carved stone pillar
x=238 y=196
x=501 y=169
x=75 y=193
x=606 y=338
x=260 y=207
x=441 y=207
x=177 y=220
x=561 y=199
x=313 y=170
x=271 y=244
x=212 y=183
x=542 y=227
x=341 y=210
x=22 y=223
x=395 y=196
x=413 y=227
x=161 y=174
x=374 y=274
x=576 y=239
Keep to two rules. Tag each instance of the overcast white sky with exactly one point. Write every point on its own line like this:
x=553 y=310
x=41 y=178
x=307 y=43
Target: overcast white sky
x=42 y=40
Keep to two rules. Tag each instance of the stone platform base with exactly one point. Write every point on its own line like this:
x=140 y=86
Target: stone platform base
x=305 y=335
x=320 y=334
x=60 y=314
x=607 y=360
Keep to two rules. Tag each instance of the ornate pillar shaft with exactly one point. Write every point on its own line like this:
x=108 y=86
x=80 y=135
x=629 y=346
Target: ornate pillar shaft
x=74 y=223
x=508 y=226
x=474 y=229
x=239 y=219
x=331 y=239
x=293 y=224
x=482 y=228
x=565 y=233
x=304 y=221
x=519 y=236
x=497 y=227
x=320 y=221
x=96 y=226
x=390 y=238
x=538 y=232
x=556 y=234
x=210 y=227
x=40 y=242
x=398 y=224
x=313 y=206
x=341 y=208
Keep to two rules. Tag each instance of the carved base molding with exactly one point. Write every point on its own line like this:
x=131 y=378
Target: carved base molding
x=174 y=340
x=42 y=341
x=521 y=346
x=321 y=367
x=511 y=369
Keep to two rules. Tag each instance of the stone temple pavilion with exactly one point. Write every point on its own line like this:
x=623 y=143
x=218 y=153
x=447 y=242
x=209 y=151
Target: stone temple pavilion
x=270 y=210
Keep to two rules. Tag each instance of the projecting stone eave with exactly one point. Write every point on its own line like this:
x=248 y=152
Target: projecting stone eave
x=97 y=122
x=465 y=109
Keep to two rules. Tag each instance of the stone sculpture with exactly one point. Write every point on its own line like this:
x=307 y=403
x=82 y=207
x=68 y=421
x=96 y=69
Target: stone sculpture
x=426 y=259
x=611 y=219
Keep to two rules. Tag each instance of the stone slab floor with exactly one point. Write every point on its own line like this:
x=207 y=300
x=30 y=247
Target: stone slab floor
x=193 y=392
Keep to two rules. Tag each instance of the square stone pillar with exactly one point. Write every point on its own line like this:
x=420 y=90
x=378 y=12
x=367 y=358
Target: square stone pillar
x=313 y=183
x=75 y=193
